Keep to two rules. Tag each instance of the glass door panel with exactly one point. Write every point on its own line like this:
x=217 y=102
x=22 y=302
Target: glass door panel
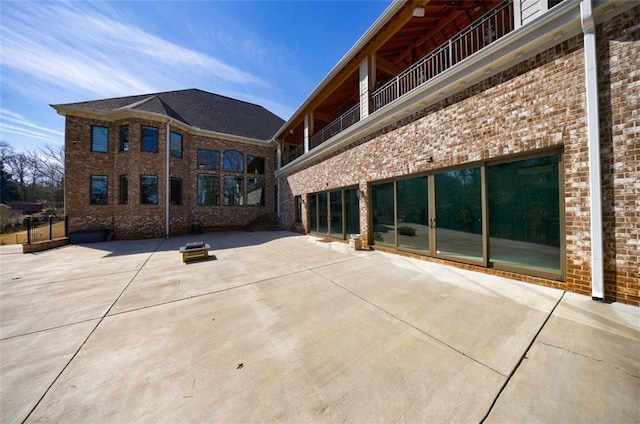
x=352 y=211
x=323 y=213
x=313 y=213
x=412 y=216
x=524 y=214
x=458 y=214
x=382 y=206
x=335 y=220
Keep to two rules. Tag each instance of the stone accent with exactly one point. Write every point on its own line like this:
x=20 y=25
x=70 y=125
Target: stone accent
x=536 y=106
x=135 y=220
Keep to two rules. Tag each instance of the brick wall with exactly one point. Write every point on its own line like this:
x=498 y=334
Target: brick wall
x=537 y=105
x=619 y=79
x=135 y=220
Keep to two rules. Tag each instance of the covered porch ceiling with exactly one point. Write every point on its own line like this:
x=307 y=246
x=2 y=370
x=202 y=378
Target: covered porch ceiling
x=414 y=30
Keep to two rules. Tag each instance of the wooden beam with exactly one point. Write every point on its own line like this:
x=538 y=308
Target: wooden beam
x=387 y=67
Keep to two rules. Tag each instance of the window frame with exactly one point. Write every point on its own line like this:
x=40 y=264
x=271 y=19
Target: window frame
x=171 y=144
x=216 y=198
x=142 y=177
x=123 y=189
x=142 y=137
x=262 y=201
x=93 y=139
x=124 y=145
x=215 y=166
x=259 y=170
x=91 y=190
x=172 y=181
x=227 y=198
x=233 y=162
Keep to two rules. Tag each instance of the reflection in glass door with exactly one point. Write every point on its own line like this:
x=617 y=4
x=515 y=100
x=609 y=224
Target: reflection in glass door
x=323 y=213
x=412 y=214
x=335 y=214
x=458 y=214
x=352 y=211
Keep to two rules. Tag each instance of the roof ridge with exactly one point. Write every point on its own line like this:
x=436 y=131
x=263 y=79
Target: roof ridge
x=138 y=103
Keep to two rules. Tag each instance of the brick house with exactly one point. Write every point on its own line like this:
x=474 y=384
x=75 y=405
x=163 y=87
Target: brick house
x=500 y=136
x=159 y=164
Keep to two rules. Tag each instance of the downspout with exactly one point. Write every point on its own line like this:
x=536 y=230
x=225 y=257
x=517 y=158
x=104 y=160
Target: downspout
x=167 y=184
x=593 y=135
x=278 y=161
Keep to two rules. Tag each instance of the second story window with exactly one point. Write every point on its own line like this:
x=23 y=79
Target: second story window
x=233 y=161
x=99 y=139
x=255 y=165
x=208 y=159
x=175 y=141
x=149 y=139
x=124 y=138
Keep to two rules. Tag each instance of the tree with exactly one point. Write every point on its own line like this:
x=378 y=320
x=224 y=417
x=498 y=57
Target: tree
x=8 y=188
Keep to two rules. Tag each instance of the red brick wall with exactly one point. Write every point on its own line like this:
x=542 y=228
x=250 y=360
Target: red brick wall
x=537 y=105
x=135 y=220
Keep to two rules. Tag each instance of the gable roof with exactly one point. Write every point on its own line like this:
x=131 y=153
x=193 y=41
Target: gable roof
x=196 y=108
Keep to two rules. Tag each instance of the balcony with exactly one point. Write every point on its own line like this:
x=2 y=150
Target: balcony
x=490 y=27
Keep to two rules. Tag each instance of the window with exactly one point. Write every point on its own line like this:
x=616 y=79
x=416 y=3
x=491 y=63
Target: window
x=412 y=197
x=99 y=139
x=124 y=138
x=255 y=165
x=148 y=189
x=175 y=143
x=255 y=191
x=176 y=191
x=208 y=189
x=208 y=159
x=124 y=189
x=233 y=161
x=149 y=137
x=233 y=190
x=99 y=189
x=298 y=212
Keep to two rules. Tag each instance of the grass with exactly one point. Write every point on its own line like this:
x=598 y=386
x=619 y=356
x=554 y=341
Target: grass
x=21 y=237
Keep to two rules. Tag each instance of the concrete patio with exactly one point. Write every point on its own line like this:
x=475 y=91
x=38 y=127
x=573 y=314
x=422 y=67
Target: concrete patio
x=279 y=327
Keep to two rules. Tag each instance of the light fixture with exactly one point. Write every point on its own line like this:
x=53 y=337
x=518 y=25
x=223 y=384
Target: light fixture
x=359 y=194
x=429 y=159
x=418 y=12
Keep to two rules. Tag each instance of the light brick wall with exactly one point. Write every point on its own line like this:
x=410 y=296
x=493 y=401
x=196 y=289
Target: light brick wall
x=134 y=220
x=619 y=78
x=536 y=106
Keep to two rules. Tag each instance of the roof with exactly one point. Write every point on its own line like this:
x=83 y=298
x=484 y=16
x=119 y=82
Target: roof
x=193 y=107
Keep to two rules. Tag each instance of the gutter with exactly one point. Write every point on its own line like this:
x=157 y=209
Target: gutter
x=593 y=143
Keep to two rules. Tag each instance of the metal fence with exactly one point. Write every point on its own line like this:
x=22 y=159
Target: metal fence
x=477 y=36
x=42 y=228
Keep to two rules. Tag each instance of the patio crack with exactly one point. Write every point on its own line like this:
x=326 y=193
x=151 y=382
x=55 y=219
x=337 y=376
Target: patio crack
x=591 y=358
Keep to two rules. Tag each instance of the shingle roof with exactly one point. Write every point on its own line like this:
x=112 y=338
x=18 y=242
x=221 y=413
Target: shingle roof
x=196 y=108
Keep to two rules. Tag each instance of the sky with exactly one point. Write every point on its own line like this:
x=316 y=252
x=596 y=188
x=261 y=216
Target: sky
x=271 y=53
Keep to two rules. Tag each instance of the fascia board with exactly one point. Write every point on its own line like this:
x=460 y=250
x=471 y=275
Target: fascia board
x=550 y=29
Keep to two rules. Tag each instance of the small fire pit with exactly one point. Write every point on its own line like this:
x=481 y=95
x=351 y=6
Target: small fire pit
x=195 y=251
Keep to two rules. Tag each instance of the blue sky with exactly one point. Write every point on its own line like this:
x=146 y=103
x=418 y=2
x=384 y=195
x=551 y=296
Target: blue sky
x=273 y=53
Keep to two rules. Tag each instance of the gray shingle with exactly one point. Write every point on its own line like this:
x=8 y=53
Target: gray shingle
x=198 y=109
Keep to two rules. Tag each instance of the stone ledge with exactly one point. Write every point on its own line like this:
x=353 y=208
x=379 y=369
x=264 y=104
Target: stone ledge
x=39 y=246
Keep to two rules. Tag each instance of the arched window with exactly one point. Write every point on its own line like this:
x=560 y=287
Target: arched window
x=233 y=161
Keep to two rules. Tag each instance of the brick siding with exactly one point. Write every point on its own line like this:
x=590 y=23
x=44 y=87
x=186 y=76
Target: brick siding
x=134 y=220
x=536 y=106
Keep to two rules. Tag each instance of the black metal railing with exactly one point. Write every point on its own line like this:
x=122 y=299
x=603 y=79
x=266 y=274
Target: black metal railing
x=42 y=228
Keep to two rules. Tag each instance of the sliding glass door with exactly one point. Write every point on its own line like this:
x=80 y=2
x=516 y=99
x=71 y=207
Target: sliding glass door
x=335 y=213
x=502 y=215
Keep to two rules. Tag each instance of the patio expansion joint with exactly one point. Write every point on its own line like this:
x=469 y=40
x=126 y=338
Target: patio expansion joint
x=100 y=319
x=378 y=307
x=522 y=358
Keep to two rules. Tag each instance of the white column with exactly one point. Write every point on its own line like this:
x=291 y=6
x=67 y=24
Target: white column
x=364 y=88
x=307 y=131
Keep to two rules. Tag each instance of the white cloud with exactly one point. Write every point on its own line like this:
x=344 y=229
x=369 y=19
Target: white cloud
x=14 y=123
x=76 y=47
